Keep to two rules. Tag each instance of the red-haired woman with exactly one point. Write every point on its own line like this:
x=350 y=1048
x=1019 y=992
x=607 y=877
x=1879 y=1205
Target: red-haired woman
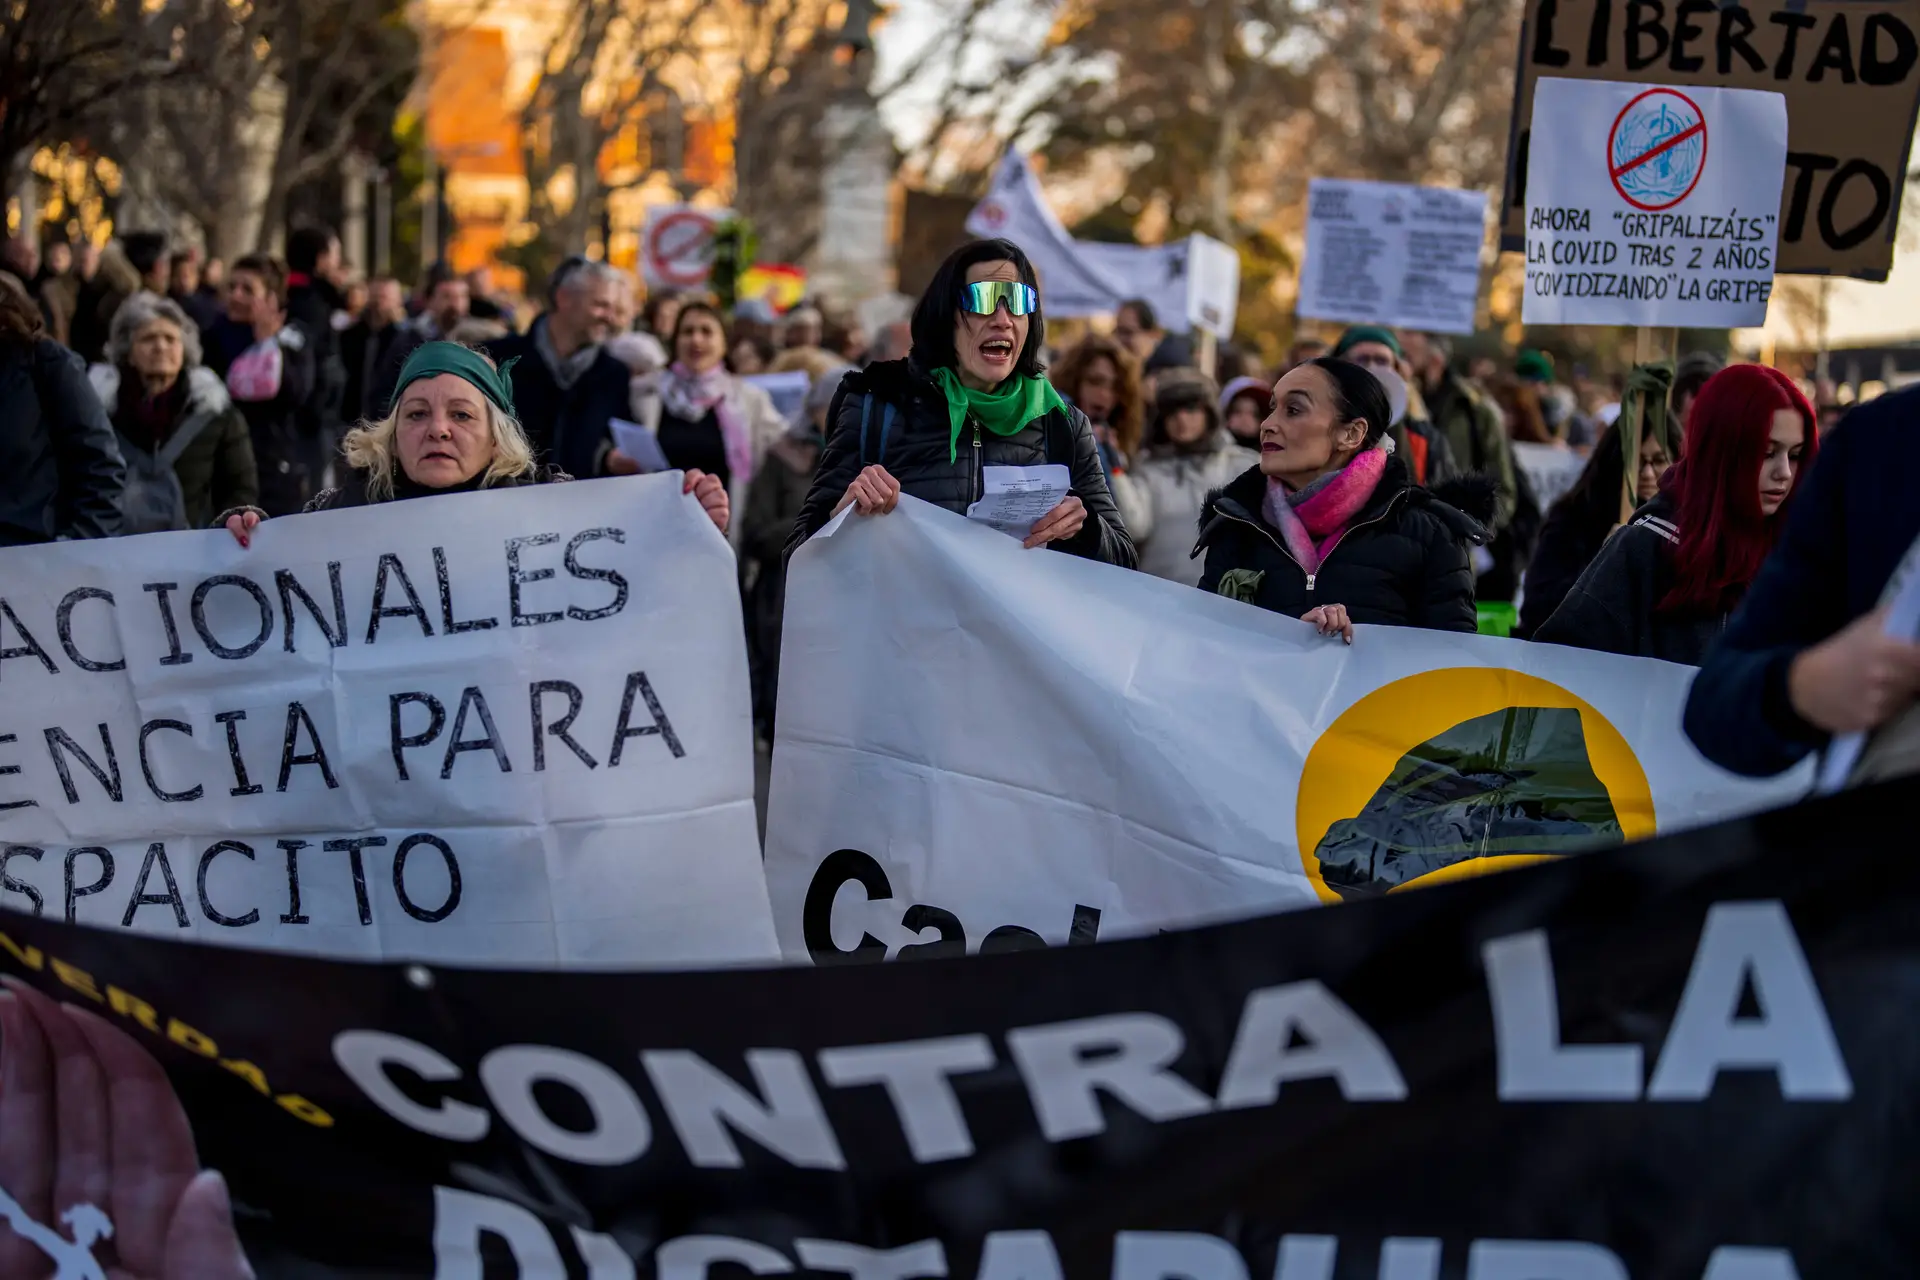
x=1664 y=586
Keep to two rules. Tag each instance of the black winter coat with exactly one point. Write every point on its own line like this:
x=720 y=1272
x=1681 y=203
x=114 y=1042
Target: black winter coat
x=1403 y=561
x=311 y=304
x=1614 y=607
x=217 y=470
x=917 y=455
x=568 y=426
x=289 y=455
x=1569 y=541
x=61 y=471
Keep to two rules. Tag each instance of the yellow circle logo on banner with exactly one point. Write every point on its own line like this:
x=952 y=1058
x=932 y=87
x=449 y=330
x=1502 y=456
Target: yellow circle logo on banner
x=1460 y=772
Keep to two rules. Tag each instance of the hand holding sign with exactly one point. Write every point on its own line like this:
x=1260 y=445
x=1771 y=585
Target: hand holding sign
x=90 y=1119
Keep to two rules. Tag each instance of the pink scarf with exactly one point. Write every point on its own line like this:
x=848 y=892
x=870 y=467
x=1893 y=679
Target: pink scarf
x=1316 y=518
x=690 y=395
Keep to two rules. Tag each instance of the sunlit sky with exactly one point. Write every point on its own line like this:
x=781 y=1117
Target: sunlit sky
x=1858 y=312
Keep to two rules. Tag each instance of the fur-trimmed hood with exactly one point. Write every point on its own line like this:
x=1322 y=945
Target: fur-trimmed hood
x=205 y=391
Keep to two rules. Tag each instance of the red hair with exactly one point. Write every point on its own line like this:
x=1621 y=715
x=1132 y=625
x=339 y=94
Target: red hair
x=1724 y=538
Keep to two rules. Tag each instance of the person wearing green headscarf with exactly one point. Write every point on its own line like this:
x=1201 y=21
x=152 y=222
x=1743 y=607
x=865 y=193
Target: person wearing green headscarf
x=451 y=430
x=970 y=398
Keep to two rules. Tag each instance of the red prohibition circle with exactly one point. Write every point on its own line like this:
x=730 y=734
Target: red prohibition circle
x=1613 y=174
x=663 y=266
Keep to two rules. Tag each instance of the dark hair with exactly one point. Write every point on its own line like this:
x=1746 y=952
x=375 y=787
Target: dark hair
x=20 y=318
x=1128 y=414
x=181 y=257
x=761 y=344
x=569 y=267
x=306 y=246
x=145 y=250
x=933 y=315
x=1183 y=389
x=270 y=270
x=1594 y=500
x=1142 y=311
x=1357 y=394
x=1692 y=373
x=656 y=299
x=438 y=274
x=696 y=307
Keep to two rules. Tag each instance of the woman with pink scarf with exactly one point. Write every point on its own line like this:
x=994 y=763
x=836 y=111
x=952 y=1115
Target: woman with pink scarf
x=1331 y=528
x=705 y=418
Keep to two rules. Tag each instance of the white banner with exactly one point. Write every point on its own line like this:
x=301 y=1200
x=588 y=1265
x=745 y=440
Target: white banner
x=1652 y=206
x=1190 y=283
x=1392 y=253
x=985 y=745
x=510 y=727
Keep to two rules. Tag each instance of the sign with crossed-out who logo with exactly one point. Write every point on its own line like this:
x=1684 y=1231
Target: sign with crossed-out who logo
x=1657 y=149
x=1652 y=206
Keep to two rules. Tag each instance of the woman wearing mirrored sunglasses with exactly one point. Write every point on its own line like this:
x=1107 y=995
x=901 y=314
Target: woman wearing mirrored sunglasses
x=971 y=395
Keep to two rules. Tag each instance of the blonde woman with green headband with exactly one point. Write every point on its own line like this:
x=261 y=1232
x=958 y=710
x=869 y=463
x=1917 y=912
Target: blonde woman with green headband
x=971 y=397
x=451 y=430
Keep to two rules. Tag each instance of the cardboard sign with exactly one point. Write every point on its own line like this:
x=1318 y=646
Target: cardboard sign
x=1392 y=253
x=1850 y=72
x=1653 y=206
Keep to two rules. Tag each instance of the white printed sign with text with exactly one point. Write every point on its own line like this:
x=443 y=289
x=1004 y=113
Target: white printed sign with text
x=1393 y=253
x=1653 y=206
x=498 y=728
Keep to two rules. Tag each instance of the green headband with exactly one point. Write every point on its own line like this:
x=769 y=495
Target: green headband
x=436 y=358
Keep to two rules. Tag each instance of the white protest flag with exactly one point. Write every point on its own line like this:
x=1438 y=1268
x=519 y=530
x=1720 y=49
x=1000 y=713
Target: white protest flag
x=983 y=743
x=1190 y=283
x=508 y=727
x=1652 y=206
x=1016 y=209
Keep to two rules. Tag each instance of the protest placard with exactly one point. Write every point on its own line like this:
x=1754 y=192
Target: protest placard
x=1652 y=206
x=1098 y=753
x=506 y=726
x=1691 y=1058
x=676 y=246
x=1392 y=253
x=1850 y=72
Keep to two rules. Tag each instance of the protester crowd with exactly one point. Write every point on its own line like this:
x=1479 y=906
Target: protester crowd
x=1371 y=480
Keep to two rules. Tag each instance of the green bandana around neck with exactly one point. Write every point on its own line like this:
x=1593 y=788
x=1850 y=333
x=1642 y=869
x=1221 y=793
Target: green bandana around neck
x=435 y=358
x=1019 y=401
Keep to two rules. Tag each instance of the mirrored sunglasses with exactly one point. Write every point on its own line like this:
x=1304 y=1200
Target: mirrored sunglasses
x=983 y=298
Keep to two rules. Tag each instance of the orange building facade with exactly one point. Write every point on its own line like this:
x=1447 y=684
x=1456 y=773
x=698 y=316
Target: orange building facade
x=479 y=75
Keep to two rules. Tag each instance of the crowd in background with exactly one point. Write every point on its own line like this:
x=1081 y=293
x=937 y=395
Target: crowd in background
x=1370 y=479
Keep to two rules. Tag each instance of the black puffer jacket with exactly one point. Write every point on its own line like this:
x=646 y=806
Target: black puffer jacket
x=61 y=471
x=917 y=455
x=1614 y=607
x=1402 y=563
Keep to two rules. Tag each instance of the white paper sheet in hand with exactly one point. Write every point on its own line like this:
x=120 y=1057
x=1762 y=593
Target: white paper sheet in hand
x=639 y=444
x=1902 y=600
x=1018 y=497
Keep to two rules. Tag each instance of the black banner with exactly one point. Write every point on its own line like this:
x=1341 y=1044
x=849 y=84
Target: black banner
x=1698 y=1057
